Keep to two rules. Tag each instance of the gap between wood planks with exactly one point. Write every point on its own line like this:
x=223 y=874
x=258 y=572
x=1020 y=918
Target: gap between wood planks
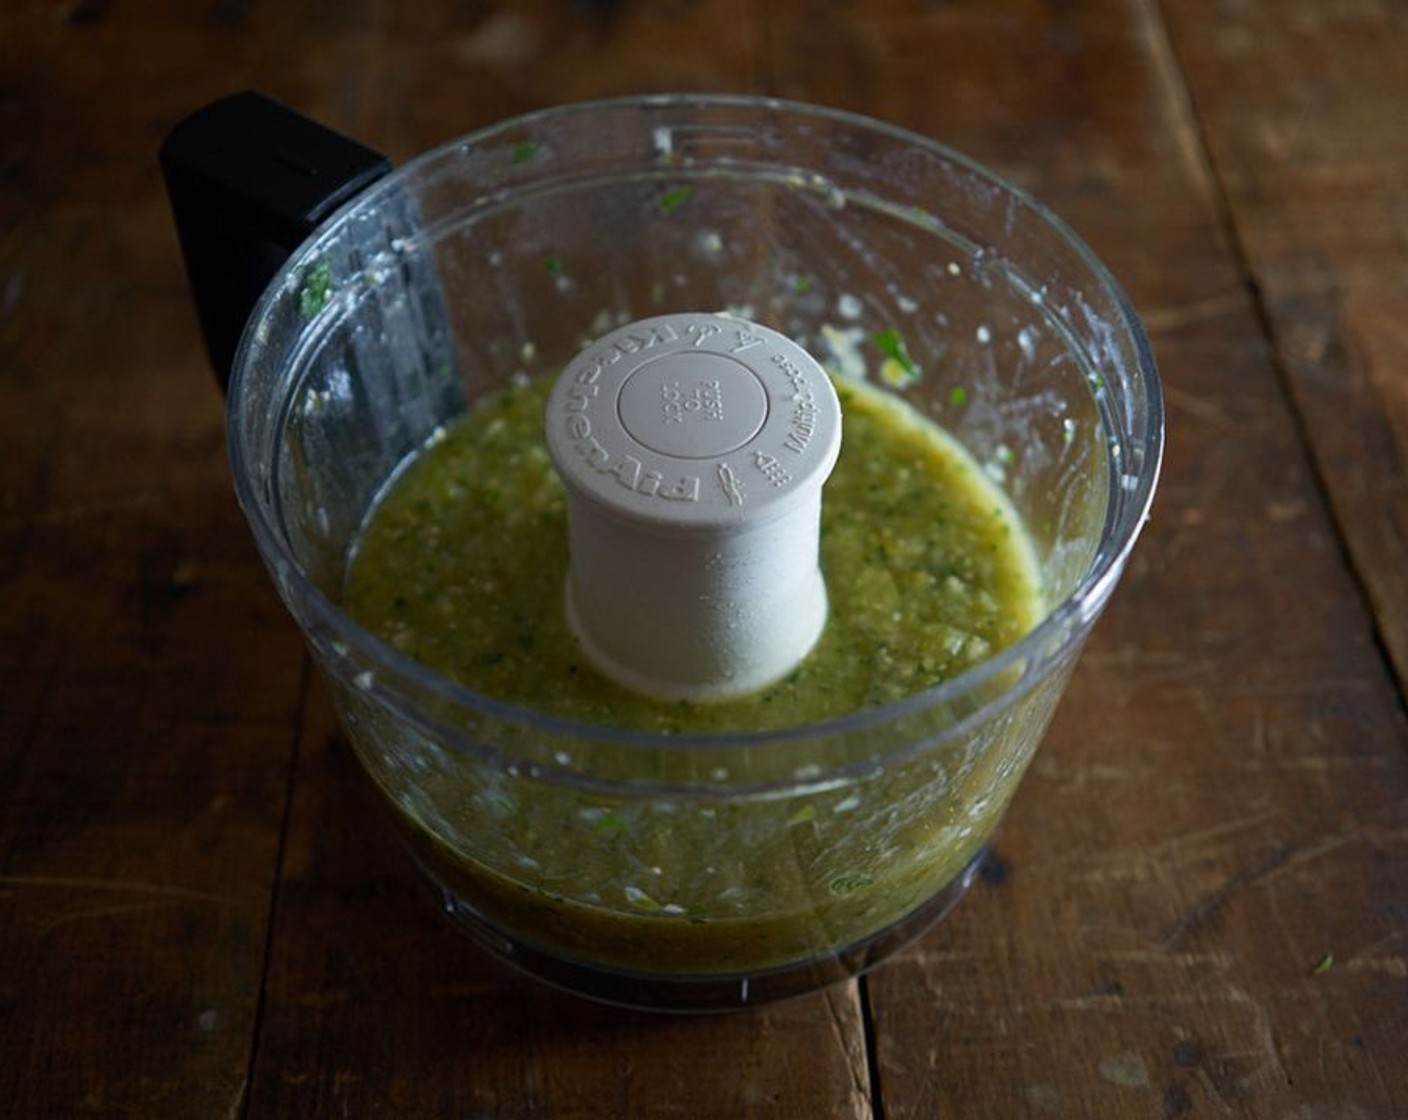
x=1180 y=91
x=239 y=1107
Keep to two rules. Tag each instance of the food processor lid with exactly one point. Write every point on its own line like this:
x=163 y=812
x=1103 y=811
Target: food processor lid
x=694 y=421
x=693 y=448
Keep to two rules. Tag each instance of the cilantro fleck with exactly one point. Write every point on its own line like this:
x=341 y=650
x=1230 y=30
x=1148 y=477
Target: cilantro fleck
x=674 y=198
x=317 y=288
x=957 y=395
x=637 y=897
x=554 y=265
x=524 y=151
x=805 y=815
x=891 y=343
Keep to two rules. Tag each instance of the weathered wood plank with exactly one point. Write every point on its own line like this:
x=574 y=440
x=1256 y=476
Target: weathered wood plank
x=1303 y=106
x=1199 y=902
x=151 y=684
x=145 y=777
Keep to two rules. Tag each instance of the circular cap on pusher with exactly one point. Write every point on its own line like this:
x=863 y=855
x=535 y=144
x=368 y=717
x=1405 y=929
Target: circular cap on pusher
x=693 y=448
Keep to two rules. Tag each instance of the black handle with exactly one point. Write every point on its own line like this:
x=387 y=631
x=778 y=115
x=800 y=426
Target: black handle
x=249 y=180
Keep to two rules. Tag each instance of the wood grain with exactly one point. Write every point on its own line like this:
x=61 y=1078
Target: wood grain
x=151 y=683
x=1303 y=105
x=1198 y=906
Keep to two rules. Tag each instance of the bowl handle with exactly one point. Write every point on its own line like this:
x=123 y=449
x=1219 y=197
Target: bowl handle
x=249 y=180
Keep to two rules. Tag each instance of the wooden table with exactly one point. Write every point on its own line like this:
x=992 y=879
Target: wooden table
x=1200 y=900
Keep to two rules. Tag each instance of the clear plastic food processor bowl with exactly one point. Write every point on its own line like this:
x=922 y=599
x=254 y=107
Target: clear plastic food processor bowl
x=807 y=854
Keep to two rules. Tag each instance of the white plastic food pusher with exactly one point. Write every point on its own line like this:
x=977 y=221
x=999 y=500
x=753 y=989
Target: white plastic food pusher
x=693 y=448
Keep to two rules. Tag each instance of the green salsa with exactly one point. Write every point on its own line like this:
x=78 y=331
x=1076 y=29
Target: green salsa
x=462 y=566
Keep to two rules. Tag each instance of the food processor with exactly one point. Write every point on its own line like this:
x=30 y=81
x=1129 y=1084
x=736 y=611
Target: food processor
x=360 y=312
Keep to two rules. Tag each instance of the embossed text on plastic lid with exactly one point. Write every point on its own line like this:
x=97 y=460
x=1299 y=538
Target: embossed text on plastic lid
x=694 y=448
x=694 y=420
